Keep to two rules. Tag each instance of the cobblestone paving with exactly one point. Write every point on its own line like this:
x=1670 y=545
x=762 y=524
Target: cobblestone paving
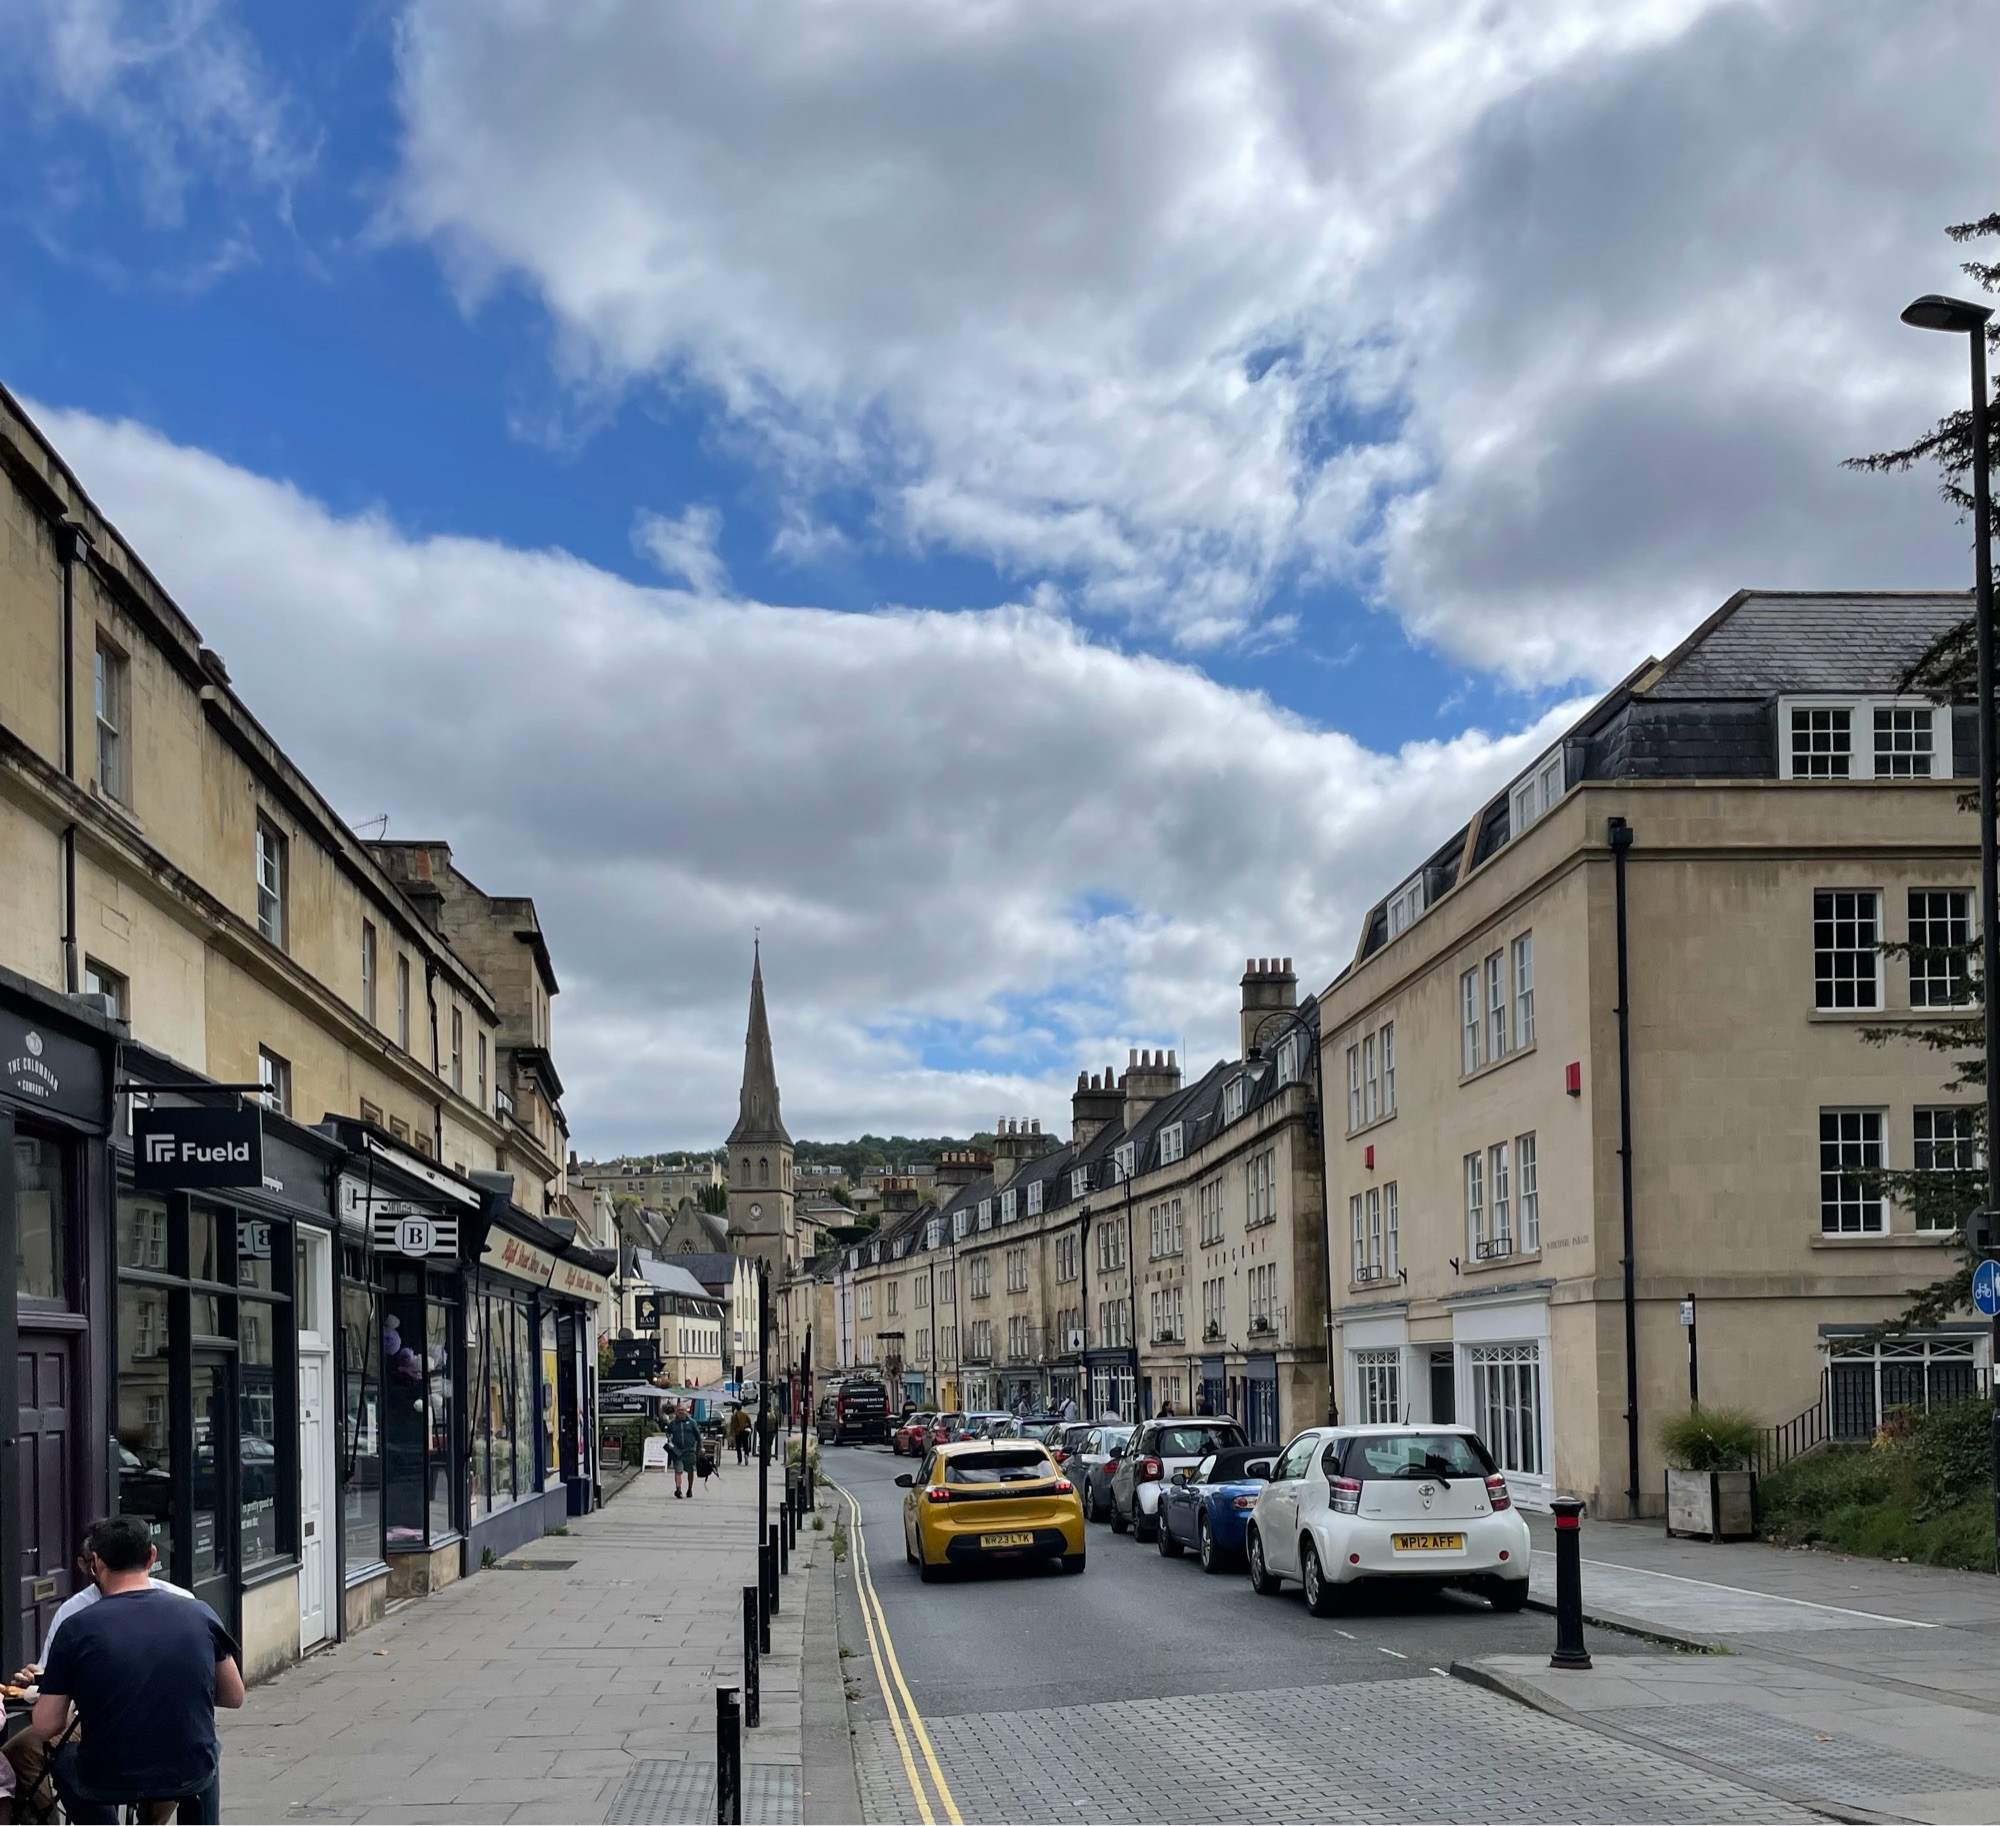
x=1414 y=1750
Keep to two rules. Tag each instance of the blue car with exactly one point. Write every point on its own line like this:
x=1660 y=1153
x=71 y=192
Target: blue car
x=1208 y=1506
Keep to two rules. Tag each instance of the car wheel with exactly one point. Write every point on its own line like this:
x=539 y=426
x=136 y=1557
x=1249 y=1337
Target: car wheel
x=1169 y=1544
x=1072 y=1562
x=1508 y=1594
x=1205 y=1546
x=928 y=1573
x=1322 y=1599
x=1118 y=1523
x=1263 y=1581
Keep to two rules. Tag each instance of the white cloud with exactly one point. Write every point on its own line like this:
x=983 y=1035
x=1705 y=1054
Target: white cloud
x=1167 y=304
x=684 y=547
x=953 y=829
x=176 y=87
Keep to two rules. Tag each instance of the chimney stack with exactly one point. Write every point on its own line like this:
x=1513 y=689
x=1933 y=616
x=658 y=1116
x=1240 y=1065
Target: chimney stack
x=1015 y=1143
x=1149 y=1076
x=1270 y=992
x=1099 y=1100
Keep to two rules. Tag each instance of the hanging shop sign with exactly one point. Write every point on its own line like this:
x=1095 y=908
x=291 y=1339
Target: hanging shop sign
x=190 y=1150
x=414 y=1233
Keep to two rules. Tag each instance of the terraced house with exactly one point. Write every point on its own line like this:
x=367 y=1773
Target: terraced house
x=1170 y=1252
x=1603 y=1110
x=341 y=1377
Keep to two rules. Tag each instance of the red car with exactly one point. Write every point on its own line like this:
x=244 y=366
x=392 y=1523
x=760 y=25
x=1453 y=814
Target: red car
x=912 y=1435
x=947 y=1427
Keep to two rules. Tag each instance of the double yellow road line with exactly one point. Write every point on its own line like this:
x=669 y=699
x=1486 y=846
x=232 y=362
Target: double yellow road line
x=904 y=1718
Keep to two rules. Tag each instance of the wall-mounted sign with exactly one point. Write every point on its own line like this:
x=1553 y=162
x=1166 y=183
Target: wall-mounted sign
x=646 y=1312
x=575 y=1282
x=512 y=1255
x=415 y=1233
x=189 y=1150
x=50 y=1069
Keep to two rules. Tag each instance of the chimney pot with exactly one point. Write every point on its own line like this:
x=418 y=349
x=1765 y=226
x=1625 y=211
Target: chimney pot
x=1170 y=1058
x=1288 y=966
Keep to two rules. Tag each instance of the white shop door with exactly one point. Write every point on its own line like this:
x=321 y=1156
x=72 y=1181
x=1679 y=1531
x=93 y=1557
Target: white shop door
x=314 y=1373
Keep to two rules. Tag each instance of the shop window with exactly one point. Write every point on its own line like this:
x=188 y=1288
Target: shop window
x=145 y=1442
x=361 y=1418
x=1507 y=1403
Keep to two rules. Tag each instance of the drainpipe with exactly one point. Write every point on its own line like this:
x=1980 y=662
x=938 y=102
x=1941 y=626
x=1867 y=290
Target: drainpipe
x=1620 y=836
x=437 y=1107
x=1326 y=1232
x=74 y=544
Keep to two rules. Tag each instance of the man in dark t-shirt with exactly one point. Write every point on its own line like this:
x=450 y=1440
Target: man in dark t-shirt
x=145 y=1672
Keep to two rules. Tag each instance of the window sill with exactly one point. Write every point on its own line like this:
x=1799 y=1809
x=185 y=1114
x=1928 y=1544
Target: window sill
x=265 y=1571
x=360 y=1575
x=1493 y=1264
x=1379 y=1282
x=1369 y=1127
x=118 y=809
x=1499 y=1065
x=1885 y=1239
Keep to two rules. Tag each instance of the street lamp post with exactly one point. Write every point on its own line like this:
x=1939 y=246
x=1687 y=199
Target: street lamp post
x=1959 y=317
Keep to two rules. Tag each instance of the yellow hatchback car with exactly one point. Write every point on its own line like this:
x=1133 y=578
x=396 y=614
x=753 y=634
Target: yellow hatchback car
x=981 y=1500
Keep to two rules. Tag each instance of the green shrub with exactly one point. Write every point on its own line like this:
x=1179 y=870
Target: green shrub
x=1710 y=1439
x=632 y=1437
x=1922 y=1492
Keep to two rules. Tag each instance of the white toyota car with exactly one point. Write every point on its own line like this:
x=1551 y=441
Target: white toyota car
x=1420 y=1504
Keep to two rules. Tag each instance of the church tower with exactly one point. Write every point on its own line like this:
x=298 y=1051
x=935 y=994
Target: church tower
x=760 y=1151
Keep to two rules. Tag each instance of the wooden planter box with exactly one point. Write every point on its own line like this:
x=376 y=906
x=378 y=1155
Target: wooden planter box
x=1712 y=1505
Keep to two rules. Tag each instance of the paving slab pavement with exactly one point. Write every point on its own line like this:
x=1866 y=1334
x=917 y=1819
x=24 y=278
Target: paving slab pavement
x=539 y=1690
x=1864 y=1689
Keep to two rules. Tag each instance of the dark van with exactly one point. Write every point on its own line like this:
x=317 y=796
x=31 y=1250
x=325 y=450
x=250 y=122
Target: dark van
x=855 y=1413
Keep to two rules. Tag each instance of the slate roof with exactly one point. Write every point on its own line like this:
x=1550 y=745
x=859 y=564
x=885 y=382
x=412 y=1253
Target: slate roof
x=1763 y=642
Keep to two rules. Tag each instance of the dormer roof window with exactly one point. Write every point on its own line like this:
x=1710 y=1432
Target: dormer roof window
x=1827 y=738
x=1535 y=792
x=1405 y=904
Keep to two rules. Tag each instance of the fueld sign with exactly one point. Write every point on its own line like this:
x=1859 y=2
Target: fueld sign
x=195 y=1150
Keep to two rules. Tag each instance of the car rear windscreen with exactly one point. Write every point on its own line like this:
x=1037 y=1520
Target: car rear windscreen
x=1415 y=1455
x=1195 y=1442
x=1021 y=1467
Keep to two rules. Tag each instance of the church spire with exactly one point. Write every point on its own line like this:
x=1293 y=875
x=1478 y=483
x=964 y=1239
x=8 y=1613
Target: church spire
x=758 y=1118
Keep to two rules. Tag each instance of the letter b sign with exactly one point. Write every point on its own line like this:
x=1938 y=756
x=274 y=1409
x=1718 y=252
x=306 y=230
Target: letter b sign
x=415 y=1235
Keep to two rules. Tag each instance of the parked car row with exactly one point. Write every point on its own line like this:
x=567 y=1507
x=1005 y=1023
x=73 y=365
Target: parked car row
x=1422 y=1506
x=916 y=1433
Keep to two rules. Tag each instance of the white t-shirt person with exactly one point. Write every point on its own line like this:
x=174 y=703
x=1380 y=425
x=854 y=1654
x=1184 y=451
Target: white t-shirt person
x=88 y=1596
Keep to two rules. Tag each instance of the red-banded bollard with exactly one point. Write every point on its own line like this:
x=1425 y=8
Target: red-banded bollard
x=1570 y=1652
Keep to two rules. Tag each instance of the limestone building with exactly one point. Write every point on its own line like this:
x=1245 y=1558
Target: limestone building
x=1664 y=945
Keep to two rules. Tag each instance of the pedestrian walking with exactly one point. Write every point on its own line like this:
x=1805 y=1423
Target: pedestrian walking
x=683 y=1448
x=739 y=1434
x=144 y=1673
x=1069 y=1408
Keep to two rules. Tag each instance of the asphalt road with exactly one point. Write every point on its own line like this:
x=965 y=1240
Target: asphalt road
x=1136 y=1626
x=1146 y=1689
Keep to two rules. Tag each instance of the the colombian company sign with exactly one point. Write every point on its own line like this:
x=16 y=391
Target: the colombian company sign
x=190 y=1150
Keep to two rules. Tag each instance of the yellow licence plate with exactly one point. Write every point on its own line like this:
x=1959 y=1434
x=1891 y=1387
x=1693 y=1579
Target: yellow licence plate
x=1429 y=1543
x=1006 y=1540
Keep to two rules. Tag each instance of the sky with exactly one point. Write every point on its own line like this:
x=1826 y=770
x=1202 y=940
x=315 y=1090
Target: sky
x=1027 y=503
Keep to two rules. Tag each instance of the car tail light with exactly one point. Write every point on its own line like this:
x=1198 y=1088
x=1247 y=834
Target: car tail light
x=1059 y=1455
x=1343 y=1495
x=1245 y=1503
x=937 y=1494
x=1149 y=1468
x=1064 y=1487
x=1496 y=1493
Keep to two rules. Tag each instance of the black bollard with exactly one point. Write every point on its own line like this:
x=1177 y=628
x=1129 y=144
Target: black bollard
x=812 y=1489
x=771 y=1562
x=753 y=1711
x=1570 y=1651
x=784 y=1535
x=728 y=1758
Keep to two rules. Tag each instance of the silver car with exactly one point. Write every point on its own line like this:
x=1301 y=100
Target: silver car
x=1091 y=1466
x=1161 y=1448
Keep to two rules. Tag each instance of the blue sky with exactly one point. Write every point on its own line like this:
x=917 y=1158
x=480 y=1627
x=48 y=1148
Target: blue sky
x=1309 y=435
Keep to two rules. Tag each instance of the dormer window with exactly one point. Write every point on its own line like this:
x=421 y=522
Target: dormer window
x=1079 y=1182
x=1008 y=1202
x=961 y=1222
x=1405 y=904
x=1035 y=1198
x=1235 y=1094
x=1288 y=1058
x=934 y=1233
x=1863 y=739
x=1535 y=793
x=986 y=1214
x=1123 y=1161
x=1173 y=1143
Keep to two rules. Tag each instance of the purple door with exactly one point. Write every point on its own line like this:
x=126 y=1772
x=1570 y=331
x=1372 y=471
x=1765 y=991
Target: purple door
x=47 y=1483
